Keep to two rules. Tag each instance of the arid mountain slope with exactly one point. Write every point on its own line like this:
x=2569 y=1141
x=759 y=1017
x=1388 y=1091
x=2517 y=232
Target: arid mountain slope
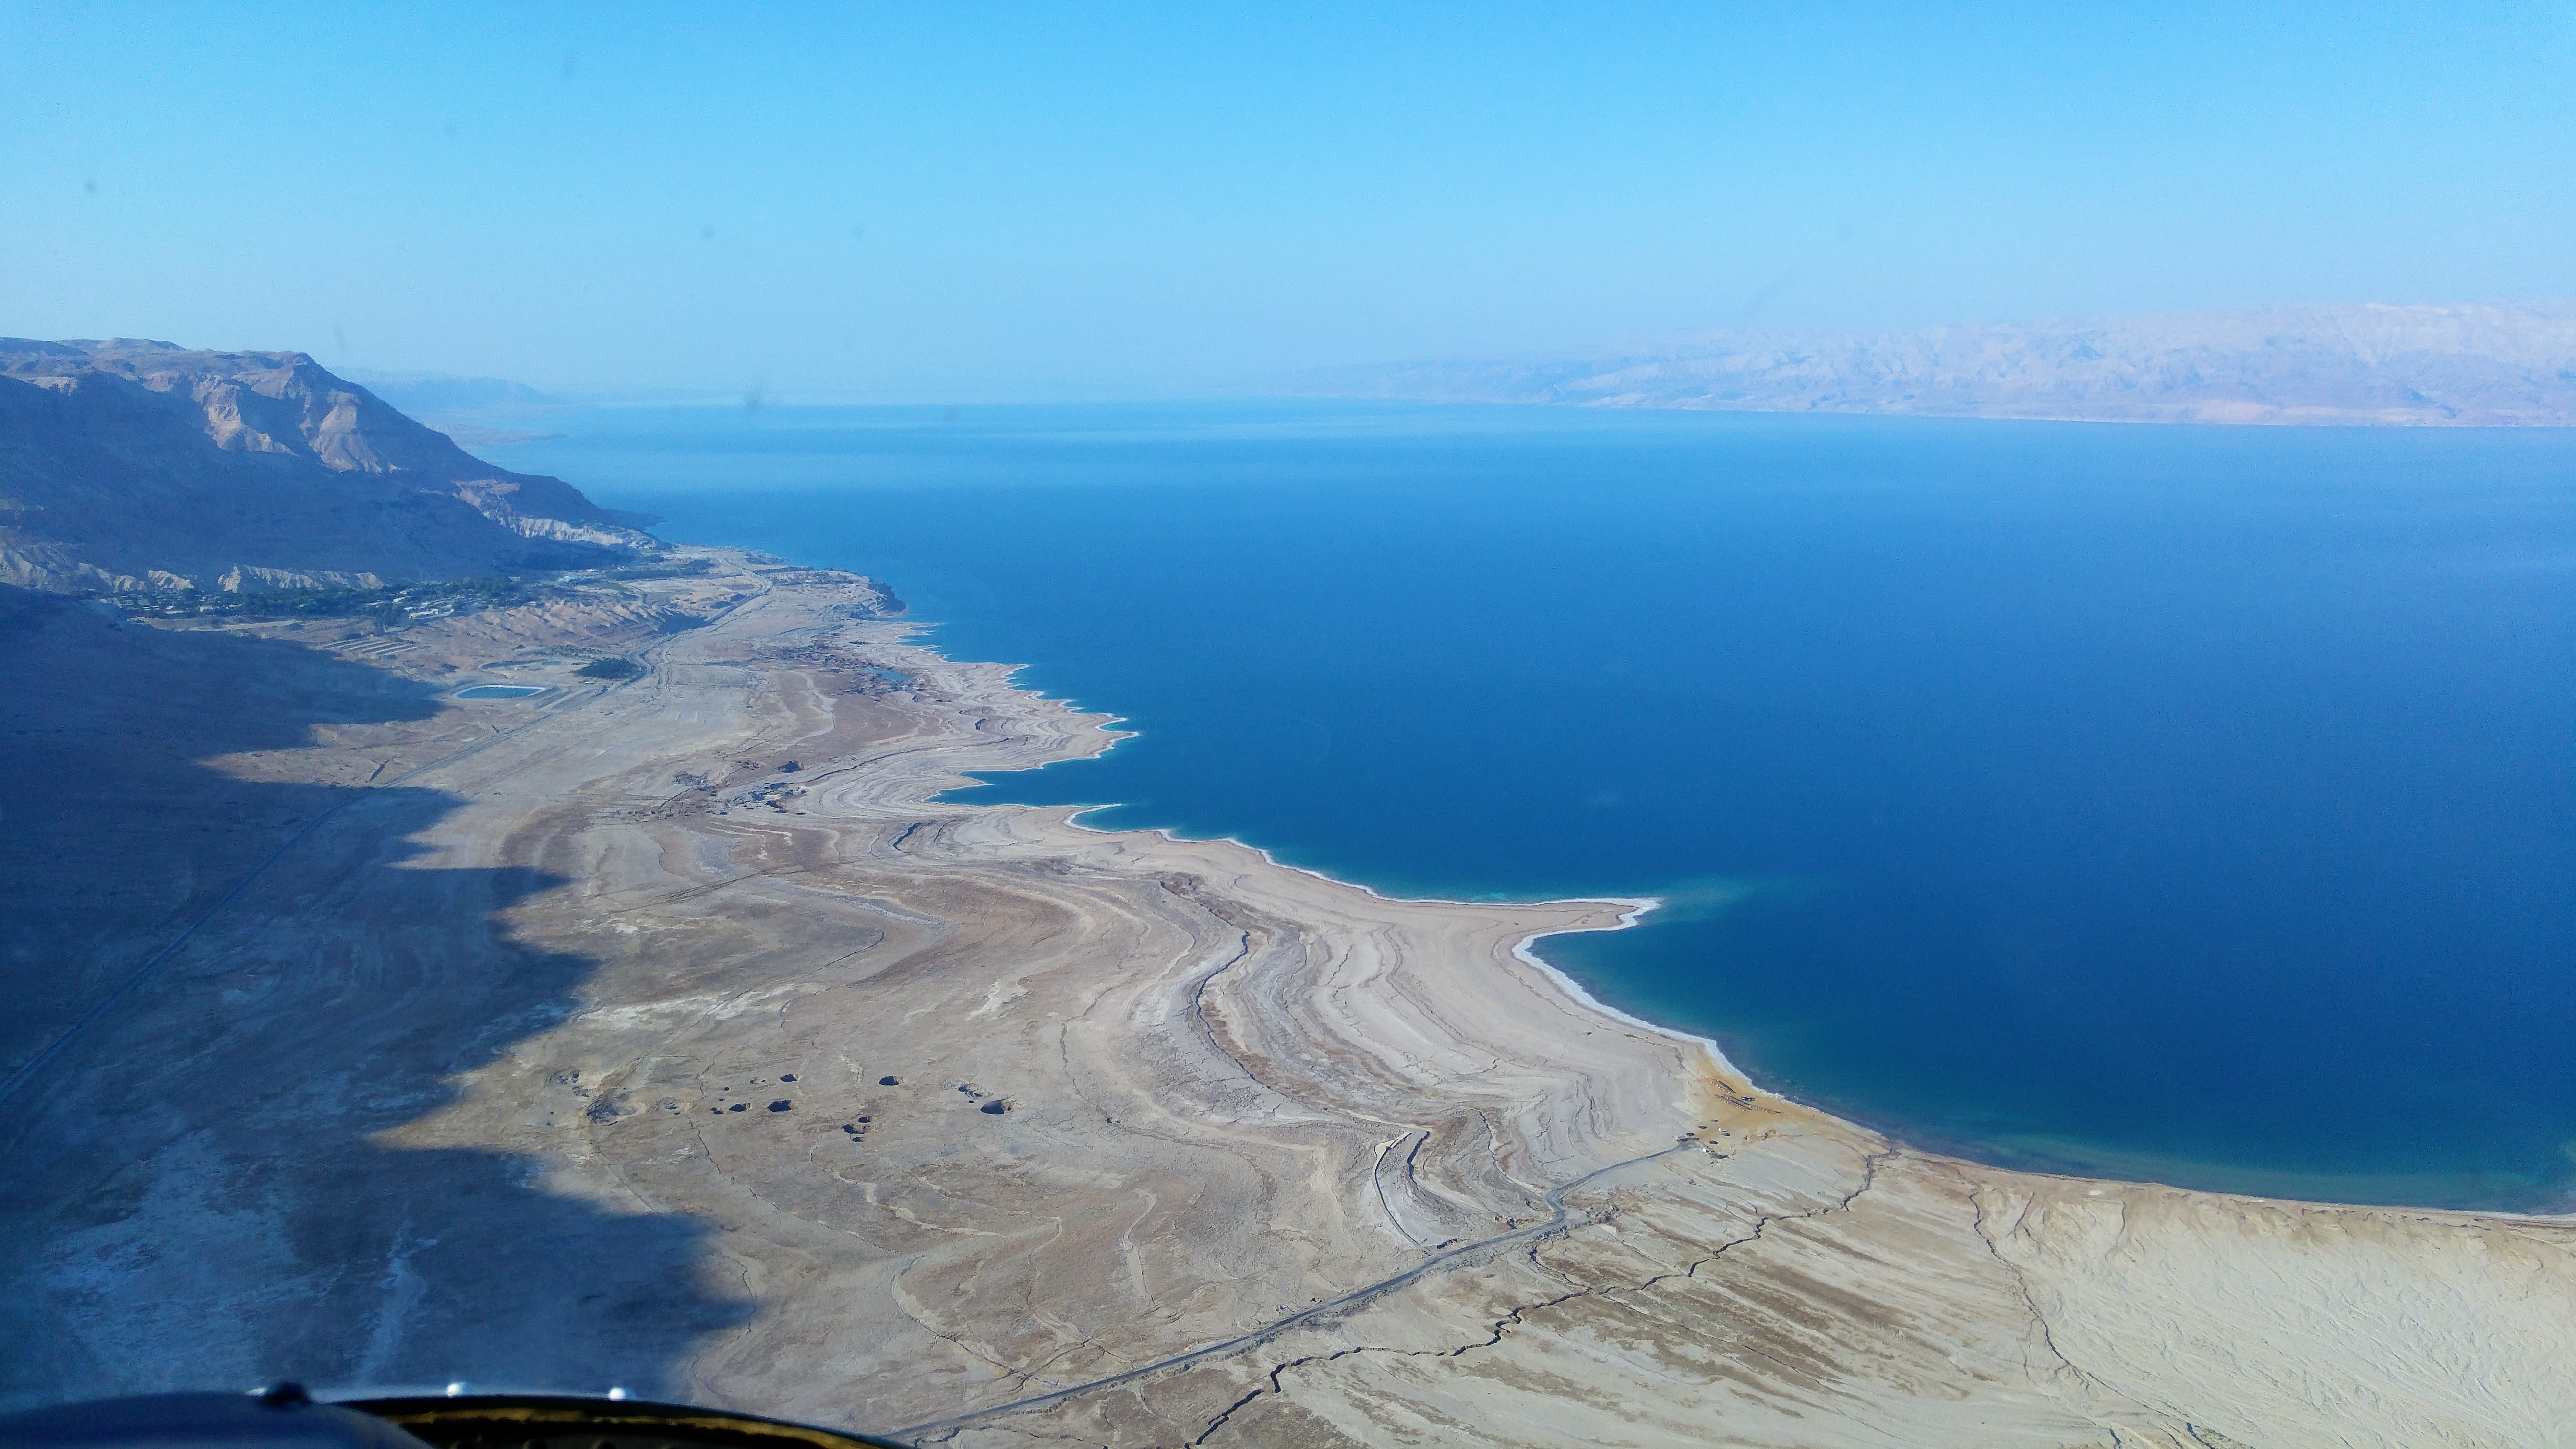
x=2470 y=365
x=137 y=465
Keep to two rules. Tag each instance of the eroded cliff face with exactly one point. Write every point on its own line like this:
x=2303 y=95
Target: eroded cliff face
x=141 y=465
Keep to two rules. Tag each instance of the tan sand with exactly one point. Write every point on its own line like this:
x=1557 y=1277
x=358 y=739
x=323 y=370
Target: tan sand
x=1235 y=1099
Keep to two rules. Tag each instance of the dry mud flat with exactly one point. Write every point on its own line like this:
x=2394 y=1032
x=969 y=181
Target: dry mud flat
x=607 y=1048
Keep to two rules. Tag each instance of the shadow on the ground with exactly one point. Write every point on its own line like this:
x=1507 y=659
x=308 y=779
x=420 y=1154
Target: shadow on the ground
x=194 y=1193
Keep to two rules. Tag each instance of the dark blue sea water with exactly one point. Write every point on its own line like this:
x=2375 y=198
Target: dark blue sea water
x=2187 y=803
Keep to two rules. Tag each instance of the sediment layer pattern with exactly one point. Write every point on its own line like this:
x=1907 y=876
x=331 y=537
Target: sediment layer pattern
x=796 y=1089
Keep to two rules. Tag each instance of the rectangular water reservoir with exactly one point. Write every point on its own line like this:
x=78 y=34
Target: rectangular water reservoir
x=503 y=691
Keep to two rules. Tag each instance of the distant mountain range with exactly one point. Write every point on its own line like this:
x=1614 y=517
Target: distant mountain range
x=141 y=465
x=2482 y=364
x=431 y=393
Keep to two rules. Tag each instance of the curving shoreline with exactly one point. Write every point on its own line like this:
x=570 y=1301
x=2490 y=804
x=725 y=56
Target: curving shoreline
x=1785 y=1170
x=2087 y=1161
x=1636 y=909
x=1067 y=1104
x=1307 y=1021
x=1812 y=1135
x=1634 y=915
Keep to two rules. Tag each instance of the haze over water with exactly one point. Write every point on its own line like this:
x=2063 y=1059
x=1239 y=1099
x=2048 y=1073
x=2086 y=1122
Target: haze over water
x=2182 y=803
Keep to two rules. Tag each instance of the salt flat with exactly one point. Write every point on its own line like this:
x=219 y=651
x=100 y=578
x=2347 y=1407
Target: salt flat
x=553 y=1047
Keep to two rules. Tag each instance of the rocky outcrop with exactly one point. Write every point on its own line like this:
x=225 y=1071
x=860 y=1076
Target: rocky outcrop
x=144 y=465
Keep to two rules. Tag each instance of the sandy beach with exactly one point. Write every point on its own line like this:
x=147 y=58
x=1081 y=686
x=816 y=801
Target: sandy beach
x=668 y=1034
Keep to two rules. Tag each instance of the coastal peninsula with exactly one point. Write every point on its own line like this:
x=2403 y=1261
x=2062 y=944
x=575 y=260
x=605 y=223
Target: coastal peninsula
x=666 y=1032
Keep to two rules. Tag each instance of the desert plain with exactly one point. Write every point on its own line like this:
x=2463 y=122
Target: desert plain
x=669 y=1033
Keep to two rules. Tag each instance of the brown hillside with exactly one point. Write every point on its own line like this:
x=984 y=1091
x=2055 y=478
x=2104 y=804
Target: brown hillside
x=130 y=465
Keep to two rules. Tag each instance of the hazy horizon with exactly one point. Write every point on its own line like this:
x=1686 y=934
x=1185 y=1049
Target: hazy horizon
x=1117 y=201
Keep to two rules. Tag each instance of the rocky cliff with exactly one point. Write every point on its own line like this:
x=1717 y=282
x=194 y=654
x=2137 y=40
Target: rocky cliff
x=140 y=465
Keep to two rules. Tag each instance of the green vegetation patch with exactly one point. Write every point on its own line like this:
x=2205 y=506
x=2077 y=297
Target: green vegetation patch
x=391 y=606
x=678 y=568
x=610 y=669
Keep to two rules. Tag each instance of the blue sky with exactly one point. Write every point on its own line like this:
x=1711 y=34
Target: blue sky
x=1034 y=199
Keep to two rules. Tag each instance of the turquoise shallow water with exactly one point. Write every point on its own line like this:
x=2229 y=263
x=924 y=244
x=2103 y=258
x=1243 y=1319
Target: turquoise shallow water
x=2195 y=804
